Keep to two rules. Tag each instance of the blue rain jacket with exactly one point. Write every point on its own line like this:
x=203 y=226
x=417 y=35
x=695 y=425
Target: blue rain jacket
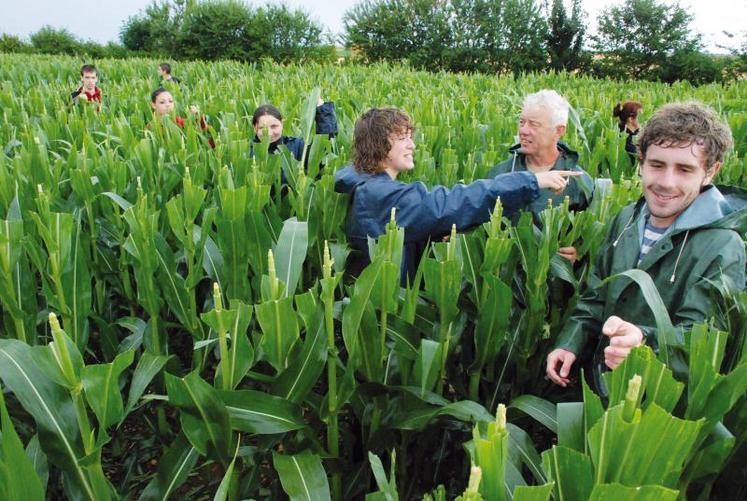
x=424 y=214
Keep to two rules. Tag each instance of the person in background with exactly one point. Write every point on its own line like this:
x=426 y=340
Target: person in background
x=685 y=233
x=383 y=147
x=542 y=124
x=269 y=117
x=88 y=92
x=627 y=117
x=164 y=69
x=162 y=103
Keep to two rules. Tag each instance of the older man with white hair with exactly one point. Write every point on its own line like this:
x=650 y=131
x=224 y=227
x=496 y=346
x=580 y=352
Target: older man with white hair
x=542 y=123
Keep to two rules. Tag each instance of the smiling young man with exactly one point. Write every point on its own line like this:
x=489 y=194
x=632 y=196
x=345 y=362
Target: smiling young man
x=542 y=124
x=684 y=233
x=383 y=147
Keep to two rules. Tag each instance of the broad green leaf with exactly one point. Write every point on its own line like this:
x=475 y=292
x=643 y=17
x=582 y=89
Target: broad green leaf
x=18 y=479
x=290 y=253
x=533 y=492
x=466 y=410
x=665 y=330
x=305 y=365
x=539 y=409
x=54 y=414
x=257 y=412
x=147 y=367
x=651 y=448
x=522 y=451
x=605 y=492
x=302 y=476
x=660 y=386
x=571 y=430
x=427 y=365
x=571 y=472
x=204 y=417
x=101 y=383
x=353 y=313
x=279 y=323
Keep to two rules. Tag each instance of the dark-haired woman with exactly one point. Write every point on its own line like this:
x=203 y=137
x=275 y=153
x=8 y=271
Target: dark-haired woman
x=268 y=116
x=162 y=103
x=627 y=116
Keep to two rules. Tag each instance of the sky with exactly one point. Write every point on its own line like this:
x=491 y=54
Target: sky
x=101 y=20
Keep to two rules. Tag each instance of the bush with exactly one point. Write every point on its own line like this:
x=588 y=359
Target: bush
x=12 y=43
x=49 y=40
x=695 y=67
x=454 y=35
x=218 y=30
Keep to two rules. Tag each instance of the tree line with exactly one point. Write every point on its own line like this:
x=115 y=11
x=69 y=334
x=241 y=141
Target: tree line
x=634 y=39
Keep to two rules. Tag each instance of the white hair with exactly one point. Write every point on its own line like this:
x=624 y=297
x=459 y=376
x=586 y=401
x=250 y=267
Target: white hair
x=551 y=101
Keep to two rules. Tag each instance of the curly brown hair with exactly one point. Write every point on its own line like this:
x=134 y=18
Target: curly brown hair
x=683 y=124
x=372 y=137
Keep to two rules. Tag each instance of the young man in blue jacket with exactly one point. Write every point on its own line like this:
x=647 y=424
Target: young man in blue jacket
x=684 y=233
x=383 y=148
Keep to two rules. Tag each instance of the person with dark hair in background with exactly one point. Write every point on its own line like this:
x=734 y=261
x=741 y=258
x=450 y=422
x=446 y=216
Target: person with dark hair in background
x=88 y=92
x=162 y=103
x=383 y=147
x=269 y=117
x=164 y=69
x=627 y=116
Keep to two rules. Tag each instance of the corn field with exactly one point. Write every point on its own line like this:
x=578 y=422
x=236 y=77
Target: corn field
x=176 y=322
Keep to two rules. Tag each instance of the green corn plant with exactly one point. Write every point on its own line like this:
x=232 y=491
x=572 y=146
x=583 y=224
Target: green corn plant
x=329 y=283
x=141 y=247
x=16 y=293
x=277 y=318
x=64 y=269
x=443 y=284
x=236 y=361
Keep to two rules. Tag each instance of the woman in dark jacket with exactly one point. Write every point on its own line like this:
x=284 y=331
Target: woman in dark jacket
x=627 y=116
x=382 y=148
x=268 y=116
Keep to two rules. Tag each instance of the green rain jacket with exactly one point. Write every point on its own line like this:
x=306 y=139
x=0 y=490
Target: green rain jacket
x=704 y=242
x=579 y=189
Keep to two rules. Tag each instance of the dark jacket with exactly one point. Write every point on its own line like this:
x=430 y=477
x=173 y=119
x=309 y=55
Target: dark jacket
x=422 y=213
x=703 y=243
x=579 y=188
x=326 y=123
x=630 y=147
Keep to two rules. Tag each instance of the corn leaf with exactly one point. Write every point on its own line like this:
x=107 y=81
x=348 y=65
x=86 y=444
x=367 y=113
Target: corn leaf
x=290 y=253
x=204 y=417
x=101 y=383
x=302 y=476
x=253 y=411
x=55 y=418
x=18 y=479
x=604 y=492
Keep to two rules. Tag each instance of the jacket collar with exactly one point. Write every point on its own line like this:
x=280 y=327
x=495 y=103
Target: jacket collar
x=568 y=157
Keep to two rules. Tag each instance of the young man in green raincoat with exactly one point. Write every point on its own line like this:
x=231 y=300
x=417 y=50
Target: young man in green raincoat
x=684 y=233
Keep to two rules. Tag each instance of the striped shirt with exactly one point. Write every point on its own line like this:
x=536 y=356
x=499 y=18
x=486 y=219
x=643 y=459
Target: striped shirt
x=651 y=234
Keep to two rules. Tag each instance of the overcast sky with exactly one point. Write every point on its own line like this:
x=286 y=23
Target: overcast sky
x=101 y=20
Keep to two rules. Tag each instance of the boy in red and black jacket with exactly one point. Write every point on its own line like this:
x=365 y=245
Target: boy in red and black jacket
x=88 y=92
